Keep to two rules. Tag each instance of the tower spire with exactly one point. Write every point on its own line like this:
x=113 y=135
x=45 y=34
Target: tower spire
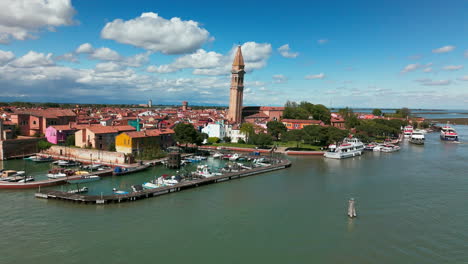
x=237 y=88
x=238 y=59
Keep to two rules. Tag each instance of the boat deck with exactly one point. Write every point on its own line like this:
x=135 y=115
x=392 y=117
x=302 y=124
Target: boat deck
x=105 y=199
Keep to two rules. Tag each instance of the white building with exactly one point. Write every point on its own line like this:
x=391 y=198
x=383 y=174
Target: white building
x=221 y=130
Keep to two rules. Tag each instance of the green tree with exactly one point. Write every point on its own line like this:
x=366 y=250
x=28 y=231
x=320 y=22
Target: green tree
x=320 y=112
x=43 y=145
x=212 y=140
x=70 y=141
x=227 y=139
x=111 y=147
x=295 y=135
x=377 y=112
x=403 y=112
x=276 y=129
x=186 y=134
x=247 y=129
x=261 y=139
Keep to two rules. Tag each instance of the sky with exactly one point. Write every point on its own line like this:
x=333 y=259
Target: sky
x=337 y=52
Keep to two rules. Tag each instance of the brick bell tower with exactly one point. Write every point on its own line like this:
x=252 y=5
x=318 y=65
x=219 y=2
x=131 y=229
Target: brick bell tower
x=237 y=88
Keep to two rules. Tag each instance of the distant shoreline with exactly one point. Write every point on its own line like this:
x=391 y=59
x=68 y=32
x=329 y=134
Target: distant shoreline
x=455 y=121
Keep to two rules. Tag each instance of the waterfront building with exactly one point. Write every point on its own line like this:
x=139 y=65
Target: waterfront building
x=58 y=134
x=99 y=137
x=292 y=124
x=35 y=121
x=237 y=88
x=220 y=130
x=137 y=141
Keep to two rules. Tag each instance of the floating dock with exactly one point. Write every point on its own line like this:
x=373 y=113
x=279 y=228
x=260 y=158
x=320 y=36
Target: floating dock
x=116 y=198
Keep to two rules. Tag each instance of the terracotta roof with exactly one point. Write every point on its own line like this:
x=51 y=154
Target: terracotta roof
x=239 y=59
x=48 y=113
x=302 y=121
x=257 y=115
x=149 y=133
x=109 y=129
x=271 y=108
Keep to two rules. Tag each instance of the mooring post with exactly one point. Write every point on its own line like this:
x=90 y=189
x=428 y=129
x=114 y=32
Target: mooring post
x=351 y=208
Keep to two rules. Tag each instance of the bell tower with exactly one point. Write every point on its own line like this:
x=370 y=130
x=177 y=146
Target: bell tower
x=237 y=88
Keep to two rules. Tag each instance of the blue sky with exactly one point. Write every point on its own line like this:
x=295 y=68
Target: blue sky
x=338 y=53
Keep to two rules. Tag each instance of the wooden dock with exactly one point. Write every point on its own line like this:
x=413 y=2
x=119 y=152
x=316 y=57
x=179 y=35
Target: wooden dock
x=106 y=199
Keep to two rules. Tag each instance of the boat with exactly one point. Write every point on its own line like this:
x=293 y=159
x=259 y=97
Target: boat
x=217 y=155
x=370 y=146
x=26 y=179
x=448 y=133
x=30 y=158
x=59 y=173
x=234 y=157
x=122 y=171
x=389 y=148
x=115 y=191
x=92 y=167
x=85 y=178
x=350 y=147
x=68 y=163
x=407 y=131
x=417 y=137
x=80 y=190
x=41 y=159
x=204 y=171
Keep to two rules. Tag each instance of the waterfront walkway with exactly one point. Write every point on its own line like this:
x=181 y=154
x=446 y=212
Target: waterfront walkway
x=105 y=199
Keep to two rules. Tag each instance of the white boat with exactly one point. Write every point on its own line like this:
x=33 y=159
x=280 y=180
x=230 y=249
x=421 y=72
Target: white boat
x=417 y=137
x=234 y=157
x=81 y=190
x=204 y=171
x=407 y=131
x=448 y=133
x=390 y=148
x=26 y=179
x=217 y=155
x=56 y=175
x=150 y=185
x=85 y=178
x=350 y=147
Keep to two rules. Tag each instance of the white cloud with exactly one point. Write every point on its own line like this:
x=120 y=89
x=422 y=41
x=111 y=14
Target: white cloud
x=443 y=49
x=21 y=19
x=108 y=67
x=105 y=54
x=429 y=69
x=213 y=63
x=84 y=48
x=33 y=59
x=154 y=33
x=464 y=78
x=453 y=67
x=67 y=57
x=6 y=56
x=430 y=82
x=316 y=76
x=322 y=41
x=411 y=67
x=285 y=51
x=279 y=78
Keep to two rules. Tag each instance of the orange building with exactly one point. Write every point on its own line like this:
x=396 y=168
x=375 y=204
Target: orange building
x=292 y=124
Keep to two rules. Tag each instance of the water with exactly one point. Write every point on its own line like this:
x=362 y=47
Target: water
x=426 y=113
x=411 y=208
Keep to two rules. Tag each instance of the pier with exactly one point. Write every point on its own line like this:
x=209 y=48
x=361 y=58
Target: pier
x=118 y=198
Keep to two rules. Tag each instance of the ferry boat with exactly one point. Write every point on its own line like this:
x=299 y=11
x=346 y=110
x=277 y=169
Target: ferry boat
x=407 y=131
x=349 y=148
x=417 y=137
x=389 y=148
x=448 y=133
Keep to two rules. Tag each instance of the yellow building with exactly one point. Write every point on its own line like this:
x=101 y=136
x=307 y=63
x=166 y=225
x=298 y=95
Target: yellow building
x=137 y=141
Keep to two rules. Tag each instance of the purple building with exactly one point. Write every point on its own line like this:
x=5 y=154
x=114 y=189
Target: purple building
x=58 y=134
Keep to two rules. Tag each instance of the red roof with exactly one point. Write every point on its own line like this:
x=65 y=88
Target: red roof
x=149 y=133
x=302 y=121
x=109 y=129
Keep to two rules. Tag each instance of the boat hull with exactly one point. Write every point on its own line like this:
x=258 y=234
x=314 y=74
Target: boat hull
x=445 y=138
x=342 y=155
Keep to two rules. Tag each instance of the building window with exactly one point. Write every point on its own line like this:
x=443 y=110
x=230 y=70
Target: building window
x=296 y=125
x=100 y=137
x=34 y=122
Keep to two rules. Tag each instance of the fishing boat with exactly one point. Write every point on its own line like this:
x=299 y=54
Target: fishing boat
x=448 y=133
x=122 y=171
x=417 y=137
x=407 y=131
x=350 y=147
x=85 y=178
x=80 y=190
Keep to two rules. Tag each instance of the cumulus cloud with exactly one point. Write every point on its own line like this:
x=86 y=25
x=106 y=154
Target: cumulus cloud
x=155 y=33
x=430 y=82
x=411 y=67
x=70 y=57
x=33 y=59
x=6 y=56
x=279 y=78
x=213 y=63
x=22 y=19
x=286 y=52
x=443 y=49
x=105 y=54
x=84 y=48
x=315 y=76
x=322 y=41
x=453 y=67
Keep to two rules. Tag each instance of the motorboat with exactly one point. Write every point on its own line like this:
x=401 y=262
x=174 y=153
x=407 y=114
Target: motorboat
x=370 y=146
x=407 y=131
x=68 y=163
x=389 y=148
x=80 y=190
x=85 y=178
x=448 y=133
x=122 y=170
x=41 y=159
x=204 y=171
x=118 y=192
x=417 y=137
x=350 y=147
x=26 y=179
x=217 y=155
x=59 y=173
x=234 y=157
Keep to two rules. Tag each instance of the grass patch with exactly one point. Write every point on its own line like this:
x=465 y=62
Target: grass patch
x=293 y=144
x=236 y=145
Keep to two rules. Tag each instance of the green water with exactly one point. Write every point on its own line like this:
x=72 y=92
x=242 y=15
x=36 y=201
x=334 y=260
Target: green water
x=412 y=208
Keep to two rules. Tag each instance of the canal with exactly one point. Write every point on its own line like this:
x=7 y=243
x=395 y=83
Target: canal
x=411 y=208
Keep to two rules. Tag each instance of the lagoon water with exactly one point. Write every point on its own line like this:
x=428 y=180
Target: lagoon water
x=412 y=208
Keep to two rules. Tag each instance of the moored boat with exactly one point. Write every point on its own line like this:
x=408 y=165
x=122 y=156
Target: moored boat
x=85 y=178
x=407 y=131
x=122 y=171
x=350 y=147
x=389 y=148
x=417 y=137
x=80 y=190
x=448 y=133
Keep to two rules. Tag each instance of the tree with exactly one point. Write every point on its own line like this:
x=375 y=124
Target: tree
x=247 y=129
x=377 y=112
x=276 y=128
x=261 y=139
x=111 y=147
x=212 y=140
x=70 y=141
x=186 y=134
x=43 y=145
x=320 y=112
x=403 y=112
x=295 y=135
x=227 y=139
